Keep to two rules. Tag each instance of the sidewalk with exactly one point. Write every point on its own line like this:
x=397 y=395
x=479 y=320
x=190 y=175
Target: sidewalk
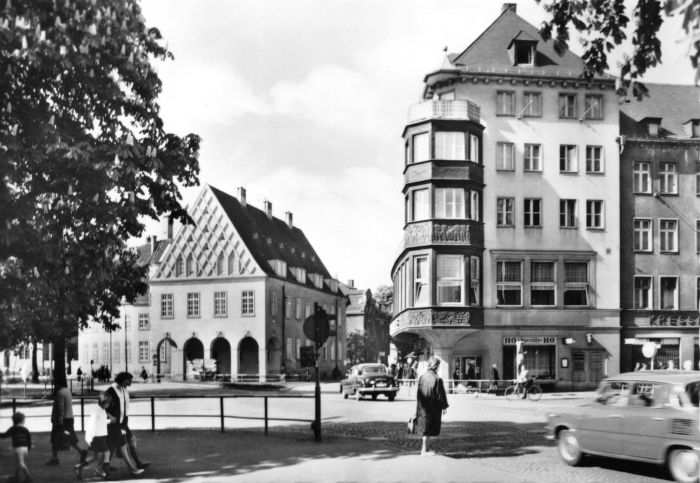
x=238 y=456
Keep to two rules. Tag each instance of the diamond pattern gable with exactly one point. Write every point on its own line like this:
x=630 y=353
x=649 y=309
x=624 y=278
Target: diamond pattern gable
x=209 y=248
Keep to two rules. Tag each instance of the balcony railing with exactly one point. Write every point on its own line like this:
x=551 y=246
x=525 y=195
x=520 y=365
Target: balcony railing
x=461 y=109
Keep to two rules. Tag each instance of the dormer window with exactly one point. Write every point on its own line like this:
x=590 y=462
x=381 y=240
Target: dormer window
x=523 y=49
x=692 y=128
x=333 y=284
x=317 y=280
x=279 y=267
x=653 y=126
x=524 y=54
x=299 y=274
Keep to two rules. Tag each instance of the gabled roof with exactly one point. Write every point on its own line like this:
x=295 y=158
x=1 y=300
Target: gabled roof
x=270 y=239
x=490 y=50
x=674 y=104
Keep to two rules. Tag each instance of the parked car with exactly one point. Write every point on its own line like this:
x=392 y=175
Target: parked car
x=649 y=416
x=369 y=379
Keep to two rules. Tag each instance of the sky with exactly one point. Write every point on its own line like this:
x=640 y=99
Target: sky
x=303 y=103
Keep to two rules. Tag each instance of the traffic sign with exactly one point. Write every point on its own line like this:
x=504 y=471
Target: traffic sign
x=316 y=327
x=307 y=356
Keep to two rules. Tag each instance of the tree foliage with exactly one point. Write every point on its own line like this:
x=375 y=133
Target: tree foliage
x=361 y=347
x=603 y=24
x=384 y=295
x=83 y=156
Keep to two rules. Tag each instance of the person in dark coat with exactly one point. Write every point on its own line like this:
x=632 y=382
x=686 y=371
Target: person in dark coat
x=493 y=385
x=431 y=405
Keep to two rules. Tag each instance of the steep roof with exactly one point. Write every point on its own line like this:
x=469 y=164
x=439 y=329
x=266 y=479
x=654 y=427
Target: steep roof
x=270 y=239
x=674 y=104
x=490 y=50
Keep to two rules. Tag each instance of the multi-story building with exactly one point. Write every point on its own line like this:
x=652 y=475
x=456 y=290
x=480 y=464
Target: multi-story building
x=660 y=205
x=511 y=242
x=363 y=314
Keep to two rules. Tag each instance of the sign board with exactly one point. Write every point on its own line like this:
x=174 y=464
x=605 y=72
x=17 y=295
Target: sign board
x=310 y=329
x=307 y=356
x=530 y=340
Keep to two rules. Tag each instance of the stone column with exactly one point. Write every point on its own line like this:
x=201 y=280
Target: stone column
x=176 y=366
x=445 y=357
x=262 y=363
x=235 y=361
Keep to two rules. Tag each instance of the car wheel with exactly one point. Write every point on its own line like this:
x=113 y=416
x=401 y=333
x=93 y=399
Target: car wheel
x=345 y=396
x=374 y=396
x=341 y=389
x=569 y=448
x=683 y=465
x=391 y=397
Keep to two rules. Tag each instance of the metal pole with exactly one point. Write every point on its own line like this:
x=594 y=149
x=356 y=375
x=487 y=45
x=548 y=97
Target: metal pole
x=153 y=414
x=221 y=404
x=14 y=405
x=317 y=392
x=265 y=414
x=82 y=414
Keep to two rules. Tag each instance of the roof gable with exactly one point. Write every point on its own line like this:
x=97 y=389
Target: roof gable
x=675 y=105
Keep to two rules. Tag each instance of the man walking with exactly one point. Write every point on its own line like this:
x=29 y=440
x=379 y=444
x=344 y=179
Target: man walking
x=63 y=435
x=119 y=434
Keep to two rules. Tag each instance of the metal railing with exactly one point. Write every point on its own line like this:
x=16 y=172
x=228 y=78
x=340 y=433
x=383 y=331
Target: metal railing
x=153 y=415
x=457 y=109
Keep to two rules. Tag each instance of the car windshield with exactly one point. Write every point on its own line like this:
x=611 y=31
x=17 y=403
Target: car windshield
x=374 y=370
x=693 y=392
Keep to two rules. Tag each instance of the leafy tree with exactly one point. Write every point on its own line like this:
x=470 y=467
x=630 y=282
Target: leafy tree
x=361 y=347
x=83 y=156
x=384 y=295
x=603 y=24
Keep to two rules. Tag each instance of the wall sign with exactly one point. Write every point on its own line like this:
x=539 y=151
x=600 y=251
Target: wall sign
x=530 y=340
x=680 y=320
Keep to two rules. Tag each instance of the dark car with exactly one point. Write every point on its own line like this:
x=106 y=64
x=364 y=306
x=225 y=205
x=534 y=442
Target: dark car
x=649 y=416
x=369 y=379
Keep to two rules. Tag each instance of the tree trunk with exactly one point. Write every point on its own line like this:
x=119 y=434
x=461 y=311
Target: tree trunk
x=35 y=365
x=59 y=358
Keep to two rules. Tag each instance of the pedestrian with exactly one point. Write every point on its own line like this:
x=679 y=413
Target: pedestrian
x=63 y=435
x=493 y=385
x=21 y=444
x=119 y=433
x=687 y=365
x=93 y=372
x=392 y=370
x=456 y=374
x=431 y=405
x=108 y=374
x=671 y=365
x=144 y=374
x=80 y=374
x=644 y=367
x=637 y=367
x=409 y=374
x=96 y=437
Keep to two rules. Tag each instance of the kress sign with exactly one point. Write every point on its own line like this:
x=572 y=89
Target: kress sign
x=680 y=320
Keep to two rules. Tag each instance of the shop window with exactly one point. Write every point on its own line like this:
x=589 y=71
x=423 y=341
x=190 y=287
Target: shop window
x=450 y=281
x=540 y=361
x=543 y=283
x=576 y=283
x=669 y=293
x=509 y=283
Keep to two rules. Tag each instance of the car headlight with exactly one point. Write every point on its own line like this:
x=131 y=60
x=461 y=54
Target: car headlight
x=552 y=415
x=372 y=382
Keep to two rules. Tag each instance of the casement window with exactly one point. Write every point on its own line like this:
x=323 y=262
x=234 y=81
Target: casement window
x=95 y=353
x=641 y=177
x=220 y=304
x=299 y=308
x=116 y=356
x=532 y=159
x=473 y=148
x=567 y=213
x=309 y=309
x=594 y=214
x=298 y=348
x=273 y=303
x=593 y=107
x=642 y=235
x=576 y=283
x=288 y=305
x=144 y=322
x=450 y=279
x=450 y=145
x=668 y=236
x=190 y=266
x=642 y=293
x=505 y=103
x=421 y=147
x=127 y=321
x=421 y=282
x=166 y=307
x=143 y=351
x=421 y=204
x=594 y=159
x=105 y=353
x=543 y=283
x=568 y=158
x=289 y=349
x=179 y=267
x=669 y=293
x=193 y=304
x=668 y=182
x=532 y=104
x=532 y=213
x=524 y=54
x=449 y=203
x=85 y=354
x=474 y=205
x=128 y=352
x=567 y=106
x=248 y=302
x=509 y=283
x=505 y=212
x=220 y=264
x=505 y=153
x=475 y=276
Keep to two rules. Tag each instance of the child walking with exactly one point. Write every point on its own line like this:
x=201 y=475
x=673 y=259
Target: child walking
x=22 y=443
x=96 y=437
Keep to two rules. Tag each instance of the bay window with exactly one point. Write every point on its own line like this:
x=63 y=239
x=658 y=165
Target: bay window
x=449 y=203
x=421 y=282
x=475 y=272
x=421 y=204
x=450 y=145
x=450 y=279
x=421 y=147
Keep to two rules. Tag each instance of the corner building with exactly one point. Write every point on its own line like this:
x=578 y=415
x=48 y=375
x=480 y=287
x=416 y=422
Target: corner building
x=511 y=238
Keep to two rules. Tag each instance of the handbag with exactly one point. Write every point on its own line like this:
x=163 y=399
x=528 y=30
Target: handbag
x=412 y=427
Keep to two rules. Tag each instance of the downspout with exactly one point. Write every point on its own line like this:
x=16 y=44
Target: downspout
x=284 y=322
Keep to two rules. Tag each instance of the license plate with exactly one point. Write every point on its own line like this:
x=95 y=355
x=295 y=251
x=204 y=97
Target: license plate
x=381 y=384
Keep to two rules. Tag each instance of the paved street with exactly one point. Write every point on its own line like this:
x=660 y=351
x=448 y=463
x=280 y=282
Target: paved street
x=488 y=432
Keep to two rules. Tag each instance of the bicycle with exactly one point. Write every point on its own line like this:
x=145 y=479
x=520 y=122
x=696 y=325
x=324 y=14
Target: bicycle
x=513 y=393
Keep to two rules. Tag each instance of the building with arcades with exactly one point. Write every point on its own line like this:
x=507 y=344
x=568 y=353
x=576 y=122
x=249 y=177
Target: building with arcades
x=511 y=236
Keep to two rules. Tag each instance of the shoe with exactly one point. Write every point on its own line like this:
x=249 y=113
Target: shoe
x=143 y=466
x=428 y=453
x=78 y=470
x=52 y=462
x=138 y=471
x=99 y=472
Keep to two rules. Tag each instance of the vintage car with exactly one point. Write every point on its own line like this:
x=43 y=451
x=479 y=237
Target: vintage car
x=649 y=416
x=369 y=379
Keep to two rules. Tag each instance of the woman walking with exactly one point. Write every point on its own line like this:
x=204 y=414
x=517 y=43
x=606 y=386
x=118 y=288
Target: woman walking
x=431 y=405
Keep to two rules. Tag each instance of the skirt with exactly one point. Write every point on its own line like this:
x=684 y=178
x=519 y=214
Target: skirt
x=99 y=444
x=115 y=437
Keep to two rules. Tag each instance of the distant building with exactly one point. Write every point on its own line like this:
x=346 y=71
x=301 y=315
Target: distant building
x=660 y=214
x=363 y=314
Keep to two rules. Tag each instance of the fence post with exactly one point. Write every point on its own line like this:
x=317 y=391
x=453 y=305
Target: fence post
x=153 y=414
x=265 y=414
x=82 y=414
x=14 y=405
x=221 y=405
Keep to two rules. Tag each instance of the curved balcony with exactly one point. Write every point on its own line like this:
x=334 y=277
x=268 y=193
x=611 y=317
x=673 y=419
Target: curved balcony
x=444 y=170
x=456 y=109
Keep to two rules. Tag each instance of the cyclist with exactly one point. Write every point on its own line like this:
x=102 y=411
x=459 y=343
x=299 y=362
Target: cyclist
x=523 y=381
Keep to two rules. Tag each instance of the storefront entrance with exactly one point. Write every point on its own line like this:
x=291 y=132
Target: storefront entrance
x=667 y=349
x=587 y=368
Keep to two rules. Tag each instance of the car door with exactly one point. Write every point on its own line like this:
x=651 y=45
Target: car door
x=600 y=425
x=646 y=420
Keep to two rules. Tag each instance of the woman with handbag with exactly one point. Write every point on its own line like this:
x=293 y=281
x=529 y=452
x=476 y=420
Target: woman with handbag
x=431 y=405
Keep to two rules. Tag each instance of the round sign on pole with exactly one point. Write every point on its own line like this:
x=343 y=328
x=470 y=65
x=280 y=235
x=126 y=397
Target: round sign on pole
x=649 y=349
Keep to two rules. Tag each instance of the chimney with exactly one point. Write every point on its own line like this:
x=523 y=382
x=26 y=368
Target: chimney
x=154 y=242
x=513 y=7
x=268 y=208
x=241 y=195
x=351 y=283
x=290 y=224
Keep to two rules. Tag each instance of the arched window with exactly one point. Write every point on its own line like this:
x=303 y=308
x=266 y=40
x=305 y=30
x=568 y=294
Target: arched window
x=220 y=265
x=190 y=266
x=232 y=264
x=179 y=267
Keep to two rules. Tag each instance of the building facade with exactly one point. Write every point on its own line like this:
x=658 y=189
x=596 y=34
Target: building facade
x=660 y=204
x=364 y=315
x=512 y=242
